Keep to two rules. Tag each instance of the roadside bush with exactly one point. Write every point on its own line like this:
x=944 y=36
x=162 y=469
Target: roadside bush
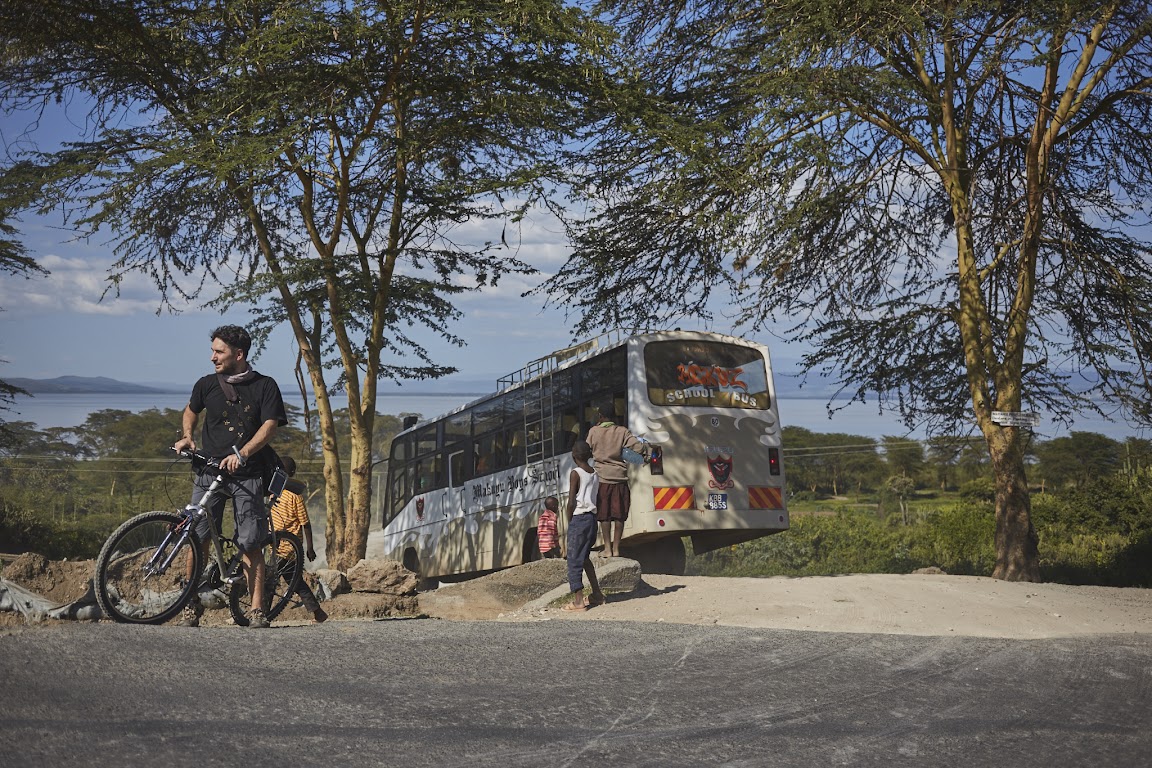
x=55 y=539
x=21 y=531
x=815 y=545
x=959 y=539
x=981 y=489
x=1100 y=506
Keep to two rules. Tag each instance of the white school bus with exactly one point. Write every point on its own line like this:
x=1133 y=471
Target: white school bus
x=465 y=489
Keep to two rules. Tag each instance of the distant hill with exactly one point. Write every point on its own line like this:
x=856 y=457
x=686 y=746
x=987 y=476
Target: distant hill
x=82 y=385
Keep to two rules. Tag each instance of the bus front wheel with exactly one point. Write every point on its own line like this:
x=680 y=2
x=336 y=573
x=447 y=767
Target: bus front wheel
x=661 y=556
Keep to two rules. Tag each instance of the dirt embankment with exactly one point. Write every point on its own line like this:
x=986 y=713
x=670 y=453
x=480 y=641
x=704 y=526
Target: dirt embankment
x=65 y=581
x=915 y=604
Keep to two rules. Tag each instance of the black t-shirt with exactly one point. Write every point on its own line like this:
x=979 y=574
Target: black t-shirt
x=233 y=424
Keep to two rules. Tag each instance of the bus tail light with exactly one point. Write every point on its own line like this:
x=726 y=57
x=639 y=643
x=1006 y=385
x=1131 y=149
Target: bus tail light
x=773 y=461
x=656 y=462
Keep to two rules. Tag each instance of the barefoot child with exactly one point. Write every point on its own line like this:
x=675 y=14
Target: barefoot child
x=581 y=509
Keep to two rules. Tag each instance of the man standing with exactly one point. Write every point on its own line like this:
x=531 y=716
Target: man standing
x=242 y=410
x=614 y=501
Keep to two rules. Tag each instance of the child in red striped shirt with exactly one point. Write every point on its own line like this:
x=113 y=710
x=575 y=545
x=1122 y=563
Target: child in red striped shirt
x=546 y=537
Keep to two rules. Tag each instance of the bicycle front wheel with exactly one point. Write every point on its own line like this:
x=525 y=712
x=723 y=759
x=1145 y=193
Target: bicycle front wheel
x=142 y=570
x=283 y=567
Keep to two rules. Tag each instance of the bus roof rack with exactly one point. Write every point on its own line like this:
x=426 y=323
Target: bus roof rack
x=551 y=361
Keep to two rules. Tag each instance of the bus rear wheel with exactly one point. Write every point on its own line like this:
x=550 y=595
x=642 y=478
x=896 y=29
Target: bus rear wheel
x=661 y=556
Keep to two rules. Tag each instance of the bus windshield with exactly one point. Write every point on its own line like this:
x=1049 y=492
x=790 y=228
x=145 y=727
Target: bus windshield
x=705 y=373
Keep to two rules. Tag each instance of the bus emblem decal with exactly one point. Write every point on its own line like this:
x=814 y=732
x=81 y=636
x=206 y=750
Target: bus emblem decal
x=720 y=467
x=420 y=508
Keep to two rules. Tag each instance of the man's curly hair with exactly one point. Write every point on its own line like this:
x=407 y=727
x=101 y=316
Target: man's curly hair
x=235 y=337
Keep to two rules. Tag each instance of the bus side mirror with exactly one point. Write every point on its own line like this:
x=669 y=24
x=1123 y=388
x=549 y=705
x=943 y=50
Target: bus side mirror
x=656 y=462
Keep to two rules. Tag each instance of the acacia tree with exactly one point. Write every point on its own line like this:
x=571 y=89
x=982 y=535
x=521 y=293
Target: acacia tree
x=938 y=197
x=15 y=261
x=312 y=156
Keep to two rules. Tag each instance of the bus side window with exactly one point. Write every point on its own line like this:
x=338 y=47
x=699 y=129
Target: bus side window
x=620 y=404
x=399 y=492
x=569 y=431
x=456 y=466
x=499 y=451
x=516 y=449
x=591 y=418
x=486 y=458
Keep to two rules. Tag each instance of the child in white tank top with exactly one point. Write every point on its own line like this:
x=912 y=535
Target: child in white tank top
x=582 y=487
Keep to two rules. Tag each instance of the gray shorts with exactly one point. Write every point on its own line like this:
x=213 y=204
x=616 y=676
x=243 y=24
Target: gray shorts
x=248 y=509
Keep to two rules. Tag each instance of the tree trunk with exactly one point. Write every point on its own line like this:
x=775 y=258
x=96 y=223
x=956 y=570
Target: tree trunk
x=333 y=479
x=1017 y=555
x=352 y=542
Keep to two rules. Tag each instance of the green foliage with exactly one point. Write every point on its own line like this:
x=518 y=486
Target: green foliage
x=1107 y=542
x=905 y=457
x=958 y=539
x=830 y=462
x=1100 y=505
x=1077 y=459
x=815 y=545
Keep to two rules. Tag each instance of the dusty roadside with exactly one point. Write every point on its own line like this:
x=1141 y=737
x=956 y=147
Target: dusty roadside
x=884 y=604
x=928 y=605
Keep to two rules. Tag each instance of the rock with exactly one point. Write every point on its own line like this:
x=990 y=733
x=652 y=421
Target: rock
x=513 y=588
x=623 y=576
x=358 y=605
x=330 y=582
x=930 y=571
x=382 y=576
x=26 y=568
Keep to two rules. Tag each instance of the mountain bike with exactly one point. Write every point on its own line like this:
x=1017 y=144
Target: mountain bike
x=142 y=569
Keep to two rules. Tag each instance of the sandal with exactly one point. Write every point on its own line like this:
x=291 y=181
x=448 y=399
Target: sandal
x=574 y=608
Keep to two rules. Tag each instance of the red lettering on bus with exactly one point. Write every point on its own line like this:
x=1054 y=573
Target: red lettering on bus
x=693 y=375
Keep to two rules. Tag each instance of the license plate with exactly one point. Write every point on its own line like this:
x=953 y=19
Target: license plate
x=718 y=501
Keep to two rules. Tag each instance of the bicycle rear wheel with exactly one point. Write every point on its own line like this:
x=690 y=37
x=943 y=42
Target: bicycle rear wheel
x=132 y=583
x=283 y=567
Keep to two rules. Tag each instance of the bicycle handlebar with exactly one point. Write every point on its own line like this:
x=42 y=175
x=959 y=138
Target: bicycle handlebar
x=199 y=458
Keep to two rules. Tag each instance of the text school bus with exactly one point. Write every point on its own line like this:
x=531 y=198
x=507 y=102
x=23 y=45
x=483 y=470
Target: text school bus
x=464 y=490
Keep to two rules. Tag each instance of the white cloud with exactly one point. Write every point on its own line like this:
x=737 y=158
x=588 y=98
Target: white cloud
x=78 y=286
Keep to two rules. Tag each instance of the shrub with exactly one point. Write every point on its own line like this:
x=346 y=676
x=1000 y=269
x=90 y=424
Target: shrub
x=958 y=539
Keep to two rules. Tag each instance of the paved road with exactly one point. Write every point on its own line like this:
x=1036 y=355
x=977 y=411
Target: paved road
x=566 y=693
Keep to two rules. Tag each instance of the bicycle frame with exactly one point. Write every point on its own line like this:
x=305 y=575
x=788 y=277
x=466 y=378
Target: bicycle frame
x=193 y=513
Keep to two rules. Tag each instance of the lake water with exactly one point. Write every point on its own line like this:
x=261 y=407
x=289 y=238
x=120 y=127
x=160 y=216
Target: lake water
x=70 y=410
